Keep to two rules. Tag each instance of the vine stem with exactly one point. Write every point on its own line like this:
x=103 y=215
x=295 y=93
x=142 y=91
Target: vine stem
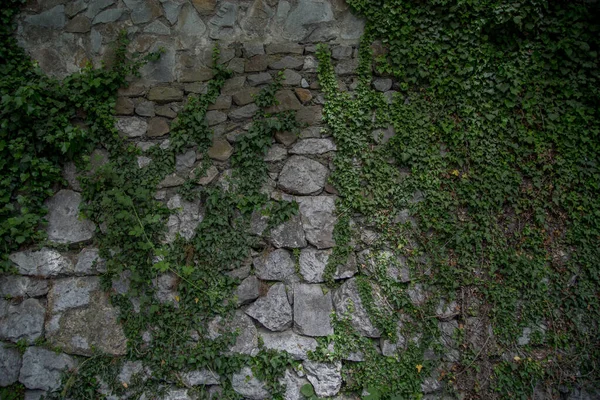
x=154 y=248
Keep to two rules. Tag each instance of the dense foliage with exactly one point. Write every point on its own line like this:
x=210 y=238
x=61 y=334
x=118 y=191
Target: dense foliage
x=495 y=154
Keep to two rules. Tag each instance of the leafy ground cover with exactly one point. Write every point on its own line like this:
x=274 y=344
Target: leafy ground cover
x=495 y=155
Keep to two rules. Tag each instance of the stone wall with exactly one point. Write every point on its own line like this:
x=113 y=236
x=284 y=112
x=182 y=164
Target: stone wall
x=57 y=298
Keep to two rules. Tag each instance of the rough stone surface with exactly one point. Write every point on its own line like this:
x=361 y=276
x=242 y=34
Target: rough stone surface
x=291 y=78
x=276 y=153
x=313 y=146
x=259 y=79
x=88 y=321
x=221 y=150
x=247 y=385
x=312 y=309
x=53 y=18
x=44 y=263
x=296 y=345
x=215 y=117
x=209 y=176
x=185 y=160
x=143 y=11
x=277 y=265
x=185 y=220
x=289 y=234
x=248 y=290
x=273 y=310
x=200 y=377
x=326 y=378
x=21 y=321
x=245 y=96
x=42 y=368
x=17 y=286
x=10 y=364
x=345 y=297
x=293 y=384
x=108 y=16
x=301 y=175
x=382 y=84
x=286 y=138
x=71 y=293
x=244 y=112
x=132 y=127
x=64 y=224
x=286 y=100
x=246 y=342
x=165 y=94
x=313 y=263
x=318 y=220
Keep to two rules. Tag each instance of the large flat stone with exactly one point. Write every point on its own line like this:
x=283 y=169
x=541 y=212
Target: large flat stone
x=274 y=310
x=246 y=384
x=82 y=318
x=313 y=146
x=21 y=321
x=44 y=263
x=295 y=345
x=301 y=175
x=289 y=234
x=246 y=341
x=277 y=265
x=347 y=298
x=313 y=263
x=305 y=17
x=326 y=378
x=10 y=364
x=312 y=310
x=64 y=224
x=200 y=377
x=132 y=126
x=248 y=290
x=17 y=286
x=318 y=220
x=53 y=18
x=42 y=368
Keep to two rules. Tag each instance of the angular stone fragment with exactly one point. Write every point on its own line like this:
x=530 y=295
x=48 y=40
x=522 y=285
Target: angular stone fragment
x=248 y=291
x=310 y=115
x=273 y=310
x=318 y=219
x=259 y=79
x=71 y=293
x=285 y=48
x=277 y=265
x=157 y=28
x=313 y=146
x=346 y=67
x=124 y=106
x=244 y=112
x=326 y=378
x=209 y=176
x=17 y=286
x=171 y=180
x=42 y=368
x=289 y=234
x=94 y=325
x=233 y=85
x=64 y=224
x=382 y=84
x=185 y=220
x=79 y=24
x=276 y=153
x=200 y=377
x=286 y=138
x=223 y=102
x=53 y=18
x=108 y=16
x=301 y=175
x=257 y=63
x=293 y=384
x=347 y=297
x=165 y=94
x=347 y=270
x=45 y=263
x=21 y=321
x=145 y=109
x=291 y=78
x=341 y=52
x=10 y=364
x=221 y=150
x=288 y=62
x=245 y=96
x=295 y=345
x=185 y=160
x=246 y=341
x=247 y=385
x=304 y=95
x=158 y=127
x=312 y=310
x=131 y=126
x=215 y=117
x=313 y=263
